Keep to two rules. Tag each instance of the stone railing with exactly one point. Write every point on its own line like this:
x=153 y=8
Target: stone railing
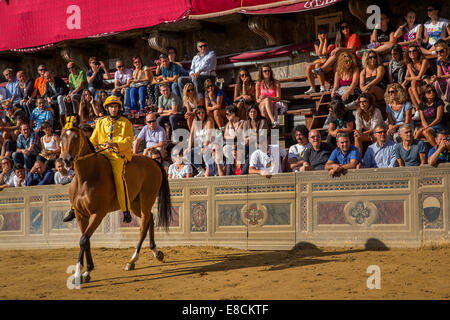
x=401 y=207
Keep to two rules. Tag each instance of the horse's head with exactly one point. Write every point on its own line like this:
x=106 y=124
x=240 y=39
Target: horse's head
x=72 y=141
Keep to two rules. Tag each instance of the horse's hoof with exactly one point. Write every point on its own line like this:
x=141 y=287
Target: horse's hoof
x=129 y=267
x=86 y=278
x=160 y=256
x=77 y=281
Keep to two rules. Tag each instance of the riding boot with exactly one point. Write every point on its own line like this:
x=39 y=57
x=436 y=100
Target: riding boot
x=70 y=215
x=126 y=216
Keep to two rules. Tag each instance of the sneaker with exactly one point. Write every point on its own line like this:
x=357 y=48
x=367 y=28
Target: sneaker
x=70 y=215
x=351 y=106
x=274 y=124
x=311 y=91
x=322 y=89
x=416 y=116
x=201 y=173
x=126 y=217
x=317 y=71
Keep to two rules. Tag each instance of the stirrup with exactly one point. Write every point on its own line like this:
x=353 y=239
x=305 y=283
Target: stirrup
x=126 y=217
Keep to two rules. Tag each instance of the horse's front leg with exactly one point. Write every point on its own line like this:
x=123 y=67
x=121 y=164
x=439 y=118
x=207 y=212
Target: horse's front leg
x=89 y=262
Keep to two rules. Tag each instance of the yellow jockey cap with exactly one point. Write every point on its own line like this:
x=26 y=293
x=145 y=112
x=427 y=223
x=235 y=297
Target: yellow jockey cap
x=113 y=99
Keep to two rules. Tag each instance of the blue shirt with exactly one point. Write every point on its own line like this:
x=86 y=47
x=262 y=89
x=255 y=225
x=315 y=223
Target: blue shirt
x=410 y=157
x=352 y=154
x=152 y=137
x=34 y=179
x=399 y=116
x=33 y=139
x=225 y=102
x=40 y=116
x=174 y=70
x=443 y=156
x=380 y=157
x=12 y=88
x=207 y=63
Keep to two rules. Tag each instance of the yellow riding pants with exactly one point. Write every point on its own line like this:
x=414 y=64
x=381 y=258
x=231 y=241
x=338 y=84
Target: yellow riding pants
x=118 y=168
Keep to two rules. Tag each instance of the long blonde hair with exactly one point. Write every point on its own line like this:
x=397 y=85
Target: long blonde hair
x=340 y=69
x=186 y=98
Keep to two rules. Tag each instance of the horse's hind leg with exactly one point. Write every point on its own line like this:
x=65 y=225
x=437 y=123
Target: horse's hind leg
x=89 y=262
x=136 y=208
x=151 y=231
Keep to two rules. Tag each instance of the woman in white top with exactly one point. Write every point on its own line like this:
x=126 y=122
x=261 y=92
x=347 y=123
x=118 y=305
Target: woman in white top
x=200 y=138
x=178 y=169
x=191 y=100
x=409 y=32
x=434 y=29
x=50 y=145
x=367 y=118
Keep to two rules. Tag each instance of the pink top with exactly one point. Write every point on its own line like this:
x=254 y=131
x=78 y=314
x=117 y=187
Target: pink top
x=272 y=92
x=344 y=83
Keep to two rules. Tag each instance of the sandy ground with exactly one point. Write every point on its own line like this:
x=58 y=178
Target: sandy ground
x=220 y=273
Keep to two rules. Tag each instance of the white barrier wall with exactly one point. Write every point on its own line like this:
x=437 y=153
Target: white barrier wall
x=401 y=207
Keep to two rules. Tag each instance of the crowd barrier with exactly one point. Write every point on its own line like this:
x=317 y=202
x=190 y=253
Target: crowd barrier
x=401 y=207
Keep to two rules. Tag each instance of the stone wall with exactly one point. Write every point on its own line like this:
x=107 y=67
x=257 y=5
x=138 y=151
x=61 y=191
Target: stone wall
x=402 y=207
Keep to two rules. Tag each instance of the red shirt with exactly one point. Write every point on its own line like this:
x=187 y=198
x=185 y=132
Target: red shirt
x=353 y=41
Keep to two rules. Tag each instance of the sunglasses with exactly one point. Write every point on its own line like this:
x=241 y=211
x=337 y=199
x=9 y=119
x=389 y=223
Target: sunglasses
x=315 y=137
x=41 y=69
x=392 y=91
x=202 y=46
x=267 y=71
x=190 y=90
x=380 y=132
x=118 y=67
x=210 y=86
x=70 y=68
x=157 y=158
x=200 y=112
x=345 y=27
x=363 y=101
x=429 y=91
x=372 y=57
x=430 y=9
x=412 y=51
x=151 y=121
x=246 y=74
x=137 y=61
x=228 y=114
x=440 y=51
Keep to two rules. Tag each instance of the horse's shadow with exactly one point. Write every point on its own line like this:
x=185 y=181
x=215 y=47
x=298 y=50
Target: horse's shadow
x=303 y=254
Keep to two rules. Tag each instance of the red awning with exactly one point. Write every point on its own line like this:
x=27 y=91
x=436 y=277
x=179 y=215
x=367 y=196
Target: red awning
x=202 y=9
x=33 y=23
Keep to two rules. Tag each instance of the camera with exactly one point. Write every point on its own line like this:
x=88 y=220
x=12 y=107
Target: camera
x=447 y=139
x=97 y=63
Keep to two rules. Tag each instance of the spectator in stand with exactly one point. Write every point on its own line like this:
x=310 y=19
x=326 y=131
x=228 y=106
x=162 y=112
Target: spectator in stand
x=409 y=32
x=178 y=169
x=171 y=72
x=410 y=152
x=153 y=135
x=95 y=76
x=346 y=41
x=122 y=79
x=254 y=126
x=77 y=83
x=216 y=101
x=40 y=174
x=368 y=116
x=435 y=29
x=340 y=120
x=172 y=54
x=346 y=80
x=12 y=118
x=372 y=75
x=431 y=110
x=344 y=157
x=28 y=147
x=191 y=100
x=382 y=39
x=322 y=47
x=20 y=176
x=26 y=89
x=39 y=115
x=88 y=108
x=156 y=155
x=234 y=124
x=268 y=95
x=62 y=175
x=440 y=152
x=170 y=108
x=203 y=67
x=381 y=154
x=240 y=165
x=215 y=167
x=50 y=145
x=396 y=68
x=7 y=174
x=39 y=85
x=244 y=92
x=2 y=94
x=12 y=87
x=315 y=157
x=199 y=139
x=100 y=110
x=142 y=76
x=55 y=91
x=441 y=81
x=8 y=146
x=398 y=109
x=267 y=159
x=418 y=69
x=297 y=151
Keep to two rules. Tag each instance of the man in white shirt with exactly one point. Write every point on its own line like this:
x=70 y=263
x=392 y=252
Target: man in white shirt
x=296 y=151
x=153 y=135
x=20 y=177
x=267 y=159
x=7 y=174
x=121 y=84
x=203 y=66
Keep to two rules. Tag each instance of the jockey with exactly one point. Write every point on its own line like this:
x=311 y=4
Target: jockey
x=115 y=134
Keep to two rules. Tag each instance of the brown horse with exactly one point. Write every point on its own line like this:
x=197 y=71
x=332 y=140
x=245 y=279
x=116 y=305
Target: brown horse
x=92 y=194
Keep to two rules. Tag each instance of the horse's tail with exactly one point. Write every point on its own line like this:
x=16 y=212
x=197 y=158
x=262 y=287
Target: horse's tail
x=164 y=202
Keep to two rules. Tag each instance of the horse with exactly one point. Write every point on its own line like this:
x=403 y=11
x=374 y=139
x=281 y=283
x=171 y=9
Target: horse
x=92 y=194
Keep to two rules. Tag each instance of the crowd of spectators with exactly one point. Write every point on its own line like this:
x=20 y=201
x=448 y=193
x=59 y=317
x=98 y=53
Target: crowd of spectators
x=387 y=109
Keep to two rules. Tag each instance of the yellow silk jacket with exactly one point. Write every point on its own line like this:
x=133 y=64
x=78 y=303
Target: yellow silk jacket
x=118 y=131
